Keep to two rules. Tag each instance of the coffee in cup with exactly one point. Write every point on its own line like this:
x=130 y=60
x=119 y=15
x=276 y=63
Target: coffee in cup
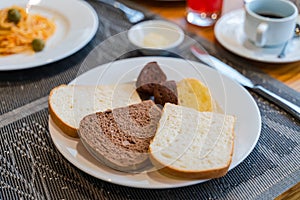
x=270 y=22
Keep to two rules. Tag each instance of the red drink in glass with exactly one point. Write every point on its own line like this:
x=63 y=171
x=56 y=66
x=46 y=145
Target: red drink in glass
x=203 y=12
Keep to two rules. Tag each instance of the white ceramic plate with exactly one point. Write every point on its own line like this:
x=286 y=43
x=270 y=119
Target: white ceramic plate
x=232 y=98
x=229 y=32
x=76 y=24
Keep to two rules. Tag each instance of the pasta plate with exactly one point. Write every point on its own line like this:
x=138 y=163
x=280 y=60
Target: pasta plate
x=72 y=32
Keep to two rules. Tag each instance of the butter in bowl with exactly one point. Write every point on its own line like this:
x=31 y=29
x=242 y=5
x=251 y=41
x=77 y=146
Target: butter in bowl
x=156 y=37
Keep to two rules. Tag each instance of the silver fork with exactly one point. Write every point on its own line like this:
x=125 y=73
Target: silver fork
x=133 y=16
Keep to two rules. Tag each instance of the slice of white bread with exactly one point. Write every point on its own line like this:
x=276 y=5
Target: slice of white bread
x=120 y=138
x=68 y=104
x=193 y=93
x=193 y=144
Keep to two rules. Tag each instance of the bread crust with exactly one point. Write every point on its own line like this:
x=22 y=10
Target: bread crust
x=190 y=174
x=66 y=128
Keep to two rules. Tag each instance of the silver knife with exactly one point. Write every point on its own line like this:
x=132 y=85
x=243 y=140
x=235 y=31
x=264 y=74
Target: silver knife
x=225 y=69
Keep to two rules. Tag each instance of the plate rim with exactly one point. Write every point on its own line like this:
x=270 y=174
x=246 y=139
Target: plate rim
x=93 y=25
x=218 y=34
x=163 y=186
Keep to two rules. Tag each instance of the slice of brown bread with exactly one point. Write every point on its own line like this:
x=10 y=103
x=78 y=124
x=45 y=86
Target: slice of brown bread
x=150 y=76
x=120 y=138
x=166 y=92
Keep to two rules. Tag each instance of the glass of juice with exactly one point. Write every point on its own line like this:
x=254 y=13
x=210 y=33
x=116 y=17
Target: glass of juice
x=203 y=12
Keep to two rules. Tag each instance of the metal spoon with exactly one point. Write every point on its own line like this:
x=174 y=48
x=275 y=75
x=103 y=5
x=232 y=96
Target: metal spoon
x=134 y=16
x=296 y=34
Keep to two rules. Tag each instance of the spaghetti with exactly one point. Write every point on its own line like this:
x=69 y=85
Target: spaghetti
x=18 y=36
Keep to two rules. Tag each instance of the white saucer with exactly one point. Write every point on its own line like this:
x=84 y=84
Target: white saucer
x=229 y=32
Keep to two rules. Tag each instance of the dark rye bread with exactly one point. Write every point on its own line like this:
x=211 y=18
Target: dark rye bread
x=166 y=92
x=120 y=138
x=150 y=76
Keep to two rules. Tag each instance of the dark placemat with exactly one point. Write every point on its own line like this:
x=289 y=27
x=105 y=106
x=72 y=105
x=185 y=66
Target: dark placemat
x=14 y=85
x=32 y=168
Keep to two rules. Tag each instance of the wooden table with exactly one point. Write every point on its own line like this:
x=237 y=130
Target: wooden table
x=286 y=73
x=176 y=10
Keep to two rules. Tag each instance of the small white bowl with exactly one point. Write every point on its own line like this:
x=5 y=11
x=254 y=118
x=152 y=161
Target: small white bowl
x=155 y=37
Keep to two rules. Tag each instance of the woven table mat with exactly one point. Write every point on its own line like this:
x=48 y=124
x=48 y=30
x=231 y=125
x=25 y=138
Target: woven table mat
x=32 y=168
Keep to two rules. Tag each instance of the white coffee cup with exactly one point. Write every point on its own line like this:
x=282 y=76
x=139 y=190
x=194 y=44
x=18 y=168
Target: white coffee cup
x=270 y=22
